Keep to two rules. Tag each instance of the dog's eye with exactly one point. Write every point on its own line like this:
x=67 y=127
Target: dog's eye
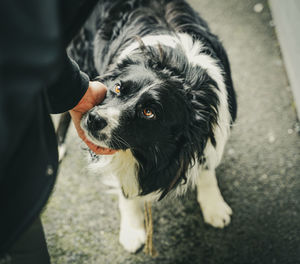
x=148 y=113
x=117 y=88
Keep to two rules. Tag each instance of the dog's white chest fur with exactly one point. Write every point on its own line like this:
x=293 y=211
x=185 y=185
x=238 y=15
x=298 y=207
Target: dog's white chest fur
x=121 y=168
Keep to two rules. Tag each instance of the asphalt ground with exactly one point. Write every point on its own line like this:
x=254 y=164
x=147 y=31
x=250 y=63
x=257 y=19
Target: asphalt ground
x=259 y=176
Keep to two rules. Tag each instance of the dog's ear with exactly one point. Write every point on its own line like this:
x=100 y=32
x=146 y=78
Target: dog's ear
x=161 y=170
x=185 y=160
x=203 y=109
x=193 y=139
x=202 y=95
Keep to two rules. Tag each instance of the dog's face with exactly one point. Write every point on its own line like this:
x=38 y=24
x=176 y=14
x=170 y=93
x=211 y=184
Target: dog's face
x=139 y=111
x=154 y=110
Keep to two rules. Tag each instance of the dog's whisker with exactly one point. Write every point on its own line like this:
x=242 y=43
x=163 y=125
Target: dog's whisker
x=120 y=141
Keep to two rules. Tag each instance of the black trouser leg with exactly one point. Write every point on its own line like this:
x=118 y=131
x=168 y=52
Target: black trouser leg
x=31 y=247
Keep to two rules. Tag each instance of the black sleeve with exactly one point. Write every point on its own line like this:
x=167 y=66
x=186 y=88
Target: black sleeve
x=34 y=35
x=69 y=87
x=31 y=50
x=33 y=57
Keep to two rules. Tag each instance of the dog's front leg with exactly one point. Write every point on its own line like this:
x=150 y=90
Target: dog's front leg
x=132 y=229
x=215 y=210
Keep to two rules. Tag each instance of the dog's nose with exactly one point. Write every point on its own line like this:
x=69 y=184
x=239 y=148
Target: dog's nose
x=96 y=122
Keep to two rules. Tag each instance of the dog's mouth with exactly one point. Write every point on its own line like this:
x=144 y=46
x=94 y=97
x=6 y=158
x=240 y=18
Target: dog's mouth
x=97 y=147
x=102 y=150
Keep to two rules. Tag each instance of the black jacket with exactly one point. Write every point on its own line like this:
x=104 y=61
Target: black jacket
x=36 y=78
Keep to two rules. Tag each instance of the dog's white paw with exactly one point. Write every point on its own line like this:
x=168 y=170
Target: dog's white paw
x=216 y=211
x=132 y=239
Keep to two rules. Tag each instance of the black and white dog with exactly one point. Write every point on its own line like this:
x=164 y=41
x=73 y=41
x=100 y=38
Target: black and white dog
x=169 y=107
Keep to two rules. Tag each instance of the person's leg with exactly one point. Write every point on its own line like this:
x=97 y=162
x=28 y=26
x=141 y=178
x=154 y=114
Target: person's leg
x=31 y=247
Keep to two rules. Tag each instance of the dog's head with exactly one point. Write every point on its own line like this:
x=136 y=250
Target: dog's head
x=161 y=108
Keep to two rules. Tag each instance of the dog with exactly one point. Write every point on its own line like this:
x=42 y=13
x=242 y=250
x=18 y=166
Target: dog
x=169 y=107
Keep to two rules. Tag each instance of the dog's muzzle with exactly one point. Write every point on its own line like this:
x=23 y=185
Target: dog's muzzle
x=95 y=122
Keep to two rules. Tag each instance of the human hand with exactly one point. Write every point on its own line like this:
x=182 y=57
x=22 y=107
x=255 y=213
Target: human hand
x=94 y=95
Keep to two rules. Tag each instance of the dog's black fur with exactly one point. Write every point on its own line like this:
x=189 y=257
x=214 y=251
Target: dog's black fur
x=183 y=96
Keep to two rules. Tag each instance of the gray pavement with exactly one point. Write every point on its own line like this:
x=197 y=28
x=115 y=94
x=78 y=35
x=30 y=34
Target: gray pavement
x=259 y=176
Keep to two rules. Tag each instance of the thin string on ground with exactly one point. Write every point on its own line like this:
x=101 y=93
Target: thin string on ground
x=149 y=248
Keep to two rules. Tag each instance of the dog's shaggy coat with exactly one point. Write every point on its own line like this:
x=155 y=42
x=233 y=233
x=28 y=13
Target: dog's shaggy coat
x=169 y=106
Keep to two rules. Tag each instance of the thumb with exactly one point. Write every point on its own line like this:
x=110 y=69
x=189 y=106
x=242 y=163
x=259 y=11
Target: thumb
x=98 y=91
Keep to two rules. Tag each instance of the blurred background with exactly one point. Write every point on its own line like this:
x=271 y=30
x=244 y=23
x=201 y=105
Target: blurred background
x=259 y=176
